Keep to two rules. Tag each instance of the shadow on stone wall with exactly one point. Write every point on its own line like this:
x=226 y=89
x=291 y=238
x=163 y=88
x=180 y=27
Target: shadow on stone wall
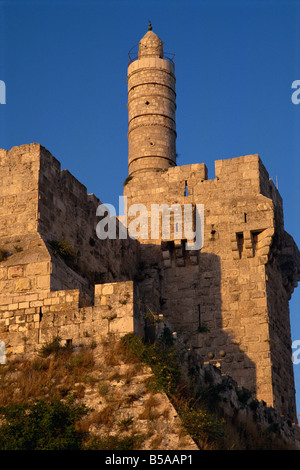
x=187 y=294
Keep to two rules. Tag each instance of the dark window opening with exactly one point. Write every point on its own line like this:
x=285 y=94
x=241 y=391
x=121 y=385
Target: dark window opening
x=92 y=242
x=183 y=244
x=240 y=243
x=186 y=192
x=245 y=217
x=254 y=240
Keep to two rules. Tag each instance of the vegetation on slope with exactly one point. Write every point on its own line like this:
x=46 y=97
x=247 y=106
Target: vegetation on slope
x=113 y=397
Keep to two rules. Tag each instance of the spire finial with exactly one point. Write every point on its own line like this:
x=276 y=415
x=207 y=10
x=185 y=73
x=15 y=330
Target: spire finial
x=149 y=26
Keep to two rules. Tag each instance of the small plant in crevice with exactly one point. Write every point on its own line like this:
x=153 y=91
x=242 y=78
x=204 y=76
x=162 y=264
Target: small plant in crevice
x=126 y=181
x=203 y=329
x=51 y=347
x=64 y=249
x=126 y=423
x=4 y=254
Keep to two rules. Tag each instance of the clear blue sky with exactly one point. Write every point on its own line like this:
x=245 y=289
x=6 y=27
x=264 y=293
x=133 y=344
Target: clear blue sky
x=65 y=64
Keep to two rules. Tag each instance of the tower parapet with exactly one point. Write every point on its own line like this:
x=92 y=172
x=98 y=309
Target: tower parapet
x=151 y=108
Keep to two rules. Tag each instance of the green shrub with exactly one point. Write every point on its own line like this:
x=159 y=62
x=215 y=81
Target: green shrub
x=41 y=426
x=126 y=423
x=200 y=424
x=116 y=443
x=194 y=410
x=52 y=347
x=63 y=248
x=162 y=359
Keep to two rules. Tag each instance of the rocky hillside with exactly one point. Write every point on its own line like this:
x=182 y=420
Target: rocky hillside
x=119 y=395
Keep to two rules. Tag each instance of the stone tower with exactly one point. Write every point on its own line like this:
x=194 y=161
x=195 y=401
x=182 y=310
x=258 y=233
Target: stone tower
x=230 y=299
x=151 y=107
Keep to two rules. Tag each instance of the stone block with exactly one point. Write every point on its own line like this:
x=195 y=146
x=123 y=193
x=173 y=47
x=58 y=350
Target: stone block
x=107 y=289
x=23 y=284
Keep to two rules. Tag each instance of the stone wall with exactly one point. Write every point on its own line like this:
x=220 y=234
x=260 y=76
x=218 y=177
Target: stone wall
x=223 y=297
x=41 y=205
x=29 y=321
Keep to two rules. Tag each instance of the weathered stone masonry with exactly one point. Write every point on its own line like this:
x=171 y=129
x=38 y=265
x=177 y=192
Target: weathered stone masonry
x=228 y=301
x=30 y=320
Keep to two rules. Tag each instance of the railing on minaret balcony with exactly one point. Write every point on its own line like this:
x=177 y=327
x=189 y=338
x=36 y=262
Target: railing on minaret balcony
x=133 y=55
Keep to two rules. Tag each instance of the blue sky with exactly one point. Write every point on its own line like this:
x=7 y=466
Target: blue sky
x=65 y=64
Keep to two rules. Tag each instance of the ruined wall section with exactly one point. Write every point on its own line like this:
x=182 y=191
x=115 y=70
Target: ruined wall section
x=218 y=297
x=39 y=205
x=29 y=321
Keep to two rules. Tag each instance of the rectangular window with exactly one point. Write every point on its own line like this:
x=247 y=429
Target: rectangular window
x=186 y=191
x=240 y=243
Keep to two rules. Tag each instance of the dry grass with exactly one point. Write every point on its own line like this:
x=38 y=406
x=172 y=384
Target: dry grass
x=51 y=377
x=104 y=417
x=150 y=411
x=156 y=442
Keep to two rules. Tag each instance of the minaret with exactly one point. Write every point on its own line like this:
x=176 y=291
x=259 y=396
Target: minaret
x=151 y=107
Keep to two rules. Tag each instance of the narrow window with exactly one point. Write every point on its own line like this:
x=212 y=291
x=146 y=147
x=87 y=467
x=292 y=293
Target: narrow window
x=212 y=232
x=245 y=217
x=199 y=317
x=240 y=243
x=186 y=192
x=254 y=240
